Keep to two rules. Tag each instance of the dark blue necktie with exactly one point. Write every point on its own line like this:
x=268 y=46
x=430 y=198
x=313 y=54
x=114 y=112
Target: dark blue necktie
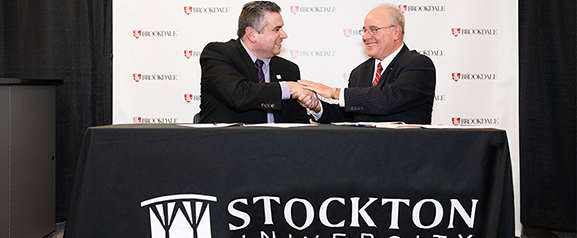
x=259 y=64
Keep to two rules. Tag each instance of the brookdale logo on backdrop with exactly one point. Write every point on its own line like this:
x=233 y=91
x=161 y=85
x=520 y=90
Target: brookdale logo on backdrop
x=473 y=32
x=151 y=34
x=424 y=8
x=189 y=215
x=458 y=121
x=432 y=53
x=192 y=53
x=313 y=53
x=147 y=120
x=317 y=9
x=350 y=32
x=473 y=77
x=190 y=97
x=346 y=76
x=440 y=97
x=137 y=77
x=206 y=10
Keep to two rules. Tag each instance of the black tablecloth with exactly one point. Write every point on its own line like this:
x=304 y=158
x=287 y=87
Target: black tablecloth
x=322 y=181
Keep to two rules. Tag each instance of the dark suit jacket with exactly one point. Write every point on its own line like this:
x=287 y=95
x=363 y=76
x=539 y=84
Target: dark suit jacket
x=230 y=91
x=405 y=92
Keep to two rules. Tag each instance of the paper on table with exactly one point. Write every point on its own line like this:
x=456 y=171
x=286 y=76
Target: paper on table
x=280 y=125
x=457 y=127
x=369 y=124
x=399 y=126
x=211 y=125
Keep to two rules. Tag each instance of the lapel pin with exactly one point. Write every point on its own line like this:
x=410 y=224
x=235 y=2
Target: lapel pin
x=278 y=77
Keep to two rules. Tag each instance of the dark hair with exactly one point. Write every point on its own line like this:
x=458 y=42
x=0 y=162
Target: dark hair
x=252 y=15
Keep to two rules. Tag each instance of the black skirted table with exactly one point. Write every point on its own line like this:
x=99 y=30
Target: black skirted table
x=318 y=181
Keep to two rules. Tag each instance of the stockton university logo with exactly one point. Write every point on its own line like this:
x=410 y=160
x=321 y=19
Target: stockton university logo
x=181 y=215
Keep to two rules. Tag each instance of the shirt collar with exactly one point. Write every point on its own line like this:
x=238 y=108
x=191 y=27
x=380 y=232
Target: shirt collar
x=252 y=56
x=387 y=60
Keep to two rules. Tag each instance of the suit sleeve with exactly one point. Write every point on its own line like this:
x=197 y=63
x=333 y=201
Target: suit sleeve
x=224 y=74
x=410 y=84
x=298 y=113
x=288 y=71
x=332 y=113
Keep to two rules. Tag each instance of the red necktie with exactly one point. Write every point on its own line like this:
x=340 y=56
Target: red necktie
x=378 y=75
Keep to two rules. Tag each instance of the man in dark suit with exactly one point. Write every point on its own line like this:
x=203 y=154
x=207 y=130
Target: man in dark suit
x=405 y=87
x=243 y=80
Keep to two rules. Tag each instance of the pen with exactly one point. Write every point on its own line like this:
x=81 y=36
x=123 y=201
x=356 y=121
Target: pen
x=361 y=125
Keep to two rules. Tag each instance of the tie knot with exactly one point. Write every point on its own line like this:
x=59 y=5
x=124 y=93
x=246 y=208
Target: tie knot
x=259 y=63
x=379 y=67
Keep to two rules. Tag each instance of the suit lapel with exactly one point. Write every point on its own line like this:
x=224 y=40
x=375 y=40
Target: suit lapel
x=247 y=62
x=274 y=70
x=387 y=71
x=391 y=67
x=367 y=74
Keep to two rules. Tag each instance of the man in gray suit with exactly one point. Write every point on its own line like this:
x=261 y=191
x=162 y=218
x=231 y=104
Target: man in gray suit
x=395 y=84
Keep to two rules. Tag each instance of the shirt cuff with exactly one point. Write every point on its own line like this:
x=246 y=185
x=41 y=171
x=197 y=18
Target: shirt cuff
x=286 y=93
x=342 y=97
x=318 y=115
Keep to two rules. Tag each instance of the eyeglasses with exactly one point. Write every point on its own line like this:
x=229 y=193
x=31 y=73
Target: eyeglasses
x=373 y=29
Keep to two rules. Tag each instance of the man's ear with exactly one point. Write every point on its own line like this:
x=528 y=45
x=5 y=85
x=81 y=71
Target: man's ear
x=250 y=34
x=398 y=32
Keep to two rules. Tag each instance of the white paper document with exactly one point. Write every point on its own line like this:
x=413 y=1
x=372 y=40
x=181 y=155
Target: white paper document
x=210 y=125
x=220 y=125
x=396 y=124
x=280 y=125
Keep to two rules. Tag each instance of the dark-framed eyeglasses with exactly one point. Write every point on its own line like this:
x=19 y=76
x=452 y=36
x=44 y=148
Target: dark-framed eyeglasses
x=373 y=29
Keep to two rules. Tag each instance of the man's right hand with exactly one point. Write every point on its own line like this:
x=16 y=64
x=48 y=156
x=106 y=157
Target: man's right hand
x=305 y=97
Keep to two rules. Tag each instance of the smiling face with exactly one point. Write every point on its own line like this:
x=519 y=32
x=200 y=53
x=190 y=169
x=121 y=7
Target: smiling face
x=386 y=40
x=268 y=42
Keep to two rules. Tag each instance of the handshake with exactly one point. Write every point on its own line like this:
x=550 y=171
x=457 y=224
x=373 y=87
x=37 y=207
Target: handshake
x=306 y=93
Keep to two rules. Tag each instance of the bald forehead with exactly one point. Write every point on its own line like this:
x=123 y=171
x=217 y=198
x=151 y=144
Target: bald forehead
x=381 y=10
x=380 y=14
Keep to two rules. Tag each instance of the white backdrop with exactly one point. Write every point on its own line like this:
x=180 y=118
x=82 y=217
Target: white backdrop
x=474 y=45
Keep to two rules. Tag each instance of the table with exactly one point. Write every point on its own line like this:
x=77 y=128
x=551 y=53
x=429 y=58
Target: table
x=321 y=181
